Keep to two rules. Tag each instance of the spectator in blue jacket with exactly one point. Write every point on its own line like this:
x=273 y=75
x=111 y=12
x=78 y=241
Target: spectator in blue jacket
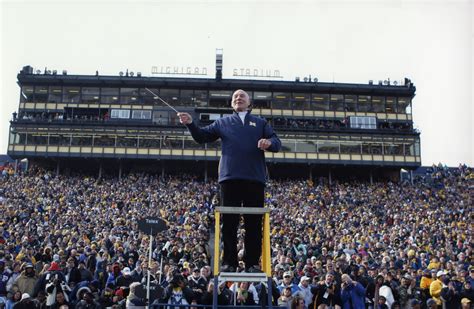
x=352 y=293
x=242 y=173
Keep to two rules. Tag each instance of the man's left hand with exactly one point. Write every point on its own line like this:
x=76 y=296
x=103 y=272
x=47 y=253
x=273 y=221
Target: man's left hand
x=264 y=144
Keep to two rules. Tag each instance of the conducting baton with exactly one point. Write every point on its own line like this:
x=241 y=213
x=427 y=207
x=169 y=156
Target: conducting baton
x=156 y=96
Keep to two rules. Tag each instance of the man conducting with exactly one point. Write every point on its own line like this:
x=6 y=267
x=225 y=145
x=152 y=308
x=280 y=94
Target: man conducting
x=242 y=173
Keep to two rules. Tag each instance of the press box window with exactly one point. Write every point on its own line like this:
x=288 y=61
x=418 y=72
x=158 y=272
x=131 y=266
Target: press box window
x=378 y=104
x=41 y=94
x=281 y=100
x=363 y=122
x=90 y=94
x=262 y=99
x=141 y=115
x=220 y=98
x=200 y=98
x=404 y=106
x=186 y=98
x=109 y=95
x=320 y=102
x=208 y=118
x=27 y=94
x=147 y=98
x=337 y=102
x=365 y=103
x=169 y=95
x=71 y=94
x=350 y=102
x=300 y=101
x=55 y=94
x=120 y=114
x=129 y=95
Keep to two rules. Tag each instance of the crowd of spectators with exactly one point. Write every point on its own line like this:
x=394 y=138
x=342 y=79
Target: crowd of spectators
x=277 y=122
x=54 y=116
x=309 y=124
x=333 y=124
x=73 y=242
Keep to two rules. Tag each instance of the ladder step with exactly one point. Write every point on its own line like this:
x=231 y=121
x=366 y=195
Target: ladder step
x=243 y=210
x=243 y=277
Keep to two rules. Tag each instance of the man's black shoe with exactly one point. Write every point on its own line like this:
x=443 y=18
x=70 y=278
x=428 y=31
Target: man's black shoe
x=254 y=269
x=227 y=269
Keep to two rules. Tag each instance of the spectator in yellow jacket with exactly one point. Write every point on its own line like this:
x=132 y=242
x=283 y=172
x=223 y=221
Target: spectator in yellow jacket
x=426 y=280
x=434 y=263
x=436 y=287
x=26 y=254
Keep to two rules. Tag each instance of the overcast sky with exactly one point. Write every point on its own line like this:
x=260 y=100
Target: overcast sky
x=430 y=42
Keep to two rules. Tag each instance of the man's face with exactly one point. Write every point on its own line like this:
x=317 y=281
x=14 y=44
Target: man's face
x=240 y=101
x=329 y=279
x=88 y=298
x=305 y=283
x=346 y=279
x=59 y=297
x=380 y=280
x=382 y=300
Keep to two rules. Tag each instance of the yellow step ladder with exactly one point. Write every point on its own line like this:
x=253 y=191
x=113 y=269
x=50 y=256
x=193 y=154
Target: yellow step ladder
x=266 y=275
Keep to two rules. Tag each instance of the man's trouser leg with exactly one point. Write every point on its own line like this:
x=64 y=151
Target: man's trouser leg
x=253 y=225
x=251 y=194
x=230 y=222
